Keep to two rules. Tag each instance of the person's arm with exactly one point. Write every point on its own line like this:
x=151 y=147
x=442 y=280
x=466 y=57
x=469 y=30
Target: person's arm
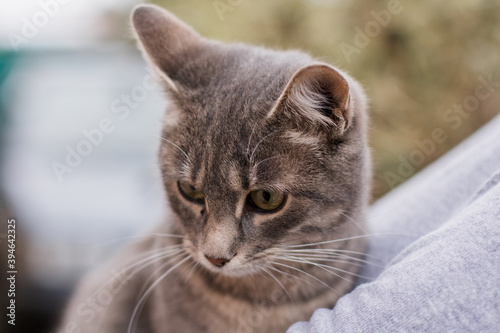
x=440 y=235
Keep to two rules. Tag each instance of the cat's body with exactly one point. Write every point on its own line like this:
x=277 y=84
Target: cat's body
x=264 y=152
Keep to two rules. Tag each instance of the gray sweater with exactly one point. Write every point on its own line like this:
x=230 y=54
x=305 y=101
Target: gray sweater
x=435 y=254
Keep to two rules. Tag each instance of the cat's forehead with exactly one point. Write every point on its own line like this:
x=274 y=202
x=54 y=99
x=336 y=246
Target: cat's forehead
x=229 y=155
x=241 y=157
x=227 y=77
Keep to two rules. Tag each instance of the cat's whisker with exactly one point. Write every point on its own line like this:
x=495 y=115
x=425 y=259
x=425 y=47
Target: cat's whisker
x=150 y=289
x=301 y=237
x=323 y=251
x=323 y=266
x=259 y=272
x=287 y=255
x=291 y=276
x=250 y=139
x=168 y=235
x=160 y=268
x=150 y=260
x=176 y=146
x=353 y=221
x=154 y=254
x=342 y=271
x=150 y=255
x=145 y=262
x=349 y=238
x=195 y=266
x=114 y=239
x=265 y=160
x=310 y=275
x=329 y=258
x=323 y=258
x=111 y=239
x=326 y=242
x=335 y=251
x=317 y=254
x=140 y=306
x=333 y=240
x=334 y=256
x=256 y=146
x=277 y=281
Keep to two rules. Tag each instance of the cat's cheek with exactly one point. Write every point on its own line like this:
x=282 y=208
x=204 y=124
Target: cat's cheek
x=288 y=224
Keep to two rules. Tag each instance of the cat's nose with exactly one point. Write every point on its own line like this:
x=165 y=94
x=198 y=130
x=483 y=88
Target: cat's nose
x=218 y=262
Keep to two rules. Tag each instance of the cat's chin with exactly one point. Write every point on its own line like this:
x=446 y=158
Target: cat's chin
x=233 y=273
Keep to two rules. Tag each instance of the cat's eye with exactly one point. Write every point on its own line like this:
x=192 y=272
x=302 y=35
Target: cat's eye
x=190 y=192
x=268 y=201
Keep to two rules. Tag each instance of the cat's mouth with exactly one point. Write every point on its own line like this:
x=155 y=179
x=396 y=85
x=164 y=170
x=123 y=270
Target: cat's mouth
x=235 y=265
x=231 y=267
x=218 y=262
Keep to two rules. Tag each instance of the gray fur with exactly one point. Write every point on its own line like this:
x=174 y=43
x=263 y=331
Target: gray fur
x=241 y=118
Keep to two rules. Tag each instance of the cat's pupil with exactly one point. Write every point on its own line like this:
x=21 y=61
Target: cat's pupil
x=266 y=195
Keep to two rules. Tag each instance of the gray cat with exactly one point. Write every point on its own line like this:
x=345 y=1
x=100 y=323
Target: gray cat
x=266 y=167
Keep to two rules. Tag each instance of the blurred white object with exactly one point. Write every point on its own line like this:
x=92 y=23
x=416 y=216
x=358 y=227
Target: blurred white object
x=114 y=192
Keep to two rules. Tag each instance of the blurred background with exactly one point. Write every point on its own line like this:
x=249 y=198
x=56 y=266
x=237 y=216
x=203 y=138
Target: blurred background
x=80 y=112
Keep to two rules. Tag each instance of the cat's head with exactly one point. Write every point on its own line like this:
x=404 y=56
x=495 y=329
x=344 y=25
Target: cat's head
x=260 y=149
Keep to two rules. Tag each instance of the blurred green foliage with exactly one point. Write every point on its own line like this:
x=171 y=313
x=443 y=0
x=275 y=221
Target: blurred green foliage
x=424 y=58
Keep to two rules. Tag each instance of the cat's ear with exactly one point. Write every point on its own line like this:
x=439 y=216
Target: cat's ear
x=320 y=94
x=166 y=41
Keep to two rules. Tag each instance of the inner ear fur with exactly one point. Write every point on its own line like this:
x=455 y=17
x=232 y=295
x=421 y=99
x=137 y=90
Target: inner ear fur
x=320 y=94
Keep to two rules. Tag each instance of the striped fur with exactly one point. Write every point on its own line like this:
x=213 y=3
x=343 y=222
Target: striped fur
x=243 y=119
